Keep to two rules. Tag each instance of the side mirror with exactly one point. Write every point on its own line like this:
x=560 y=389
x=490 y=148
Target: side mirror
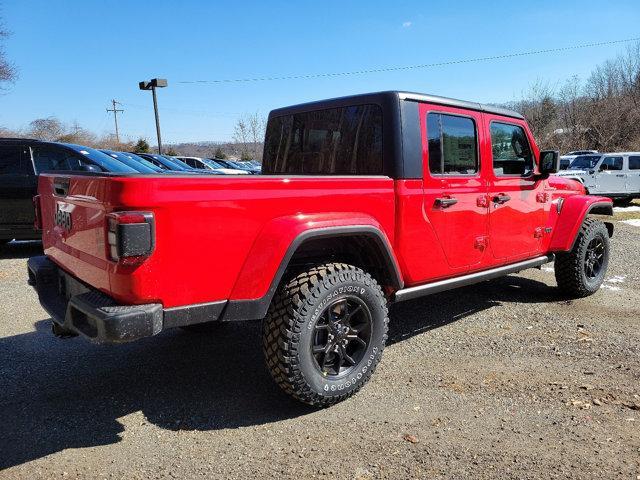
x=89 y=167
x=603 y=167
x=549 y=162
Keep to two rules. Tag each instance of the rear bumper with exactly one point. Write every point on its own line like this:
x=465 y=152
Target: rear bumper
x=88 y=312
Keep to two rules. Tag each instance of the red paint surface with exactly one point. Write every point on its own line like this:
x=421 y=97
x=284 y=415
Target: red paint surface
x=223 y=238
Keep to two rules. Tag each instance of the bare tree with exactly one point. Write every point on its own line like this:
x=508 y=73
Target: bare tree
x=8 y=71
x=602 y=113
x=249 y=135
x=50 y=129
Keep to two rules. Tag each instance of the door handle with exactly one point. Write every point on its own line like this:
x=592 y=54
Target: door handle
x=501 y=198
x=620 y=175
x=445 y=202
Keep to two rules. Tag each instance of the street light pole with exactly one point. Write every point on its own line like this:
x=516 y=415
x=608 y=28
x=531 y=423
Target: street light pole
x=155 y=109
x=152 y=85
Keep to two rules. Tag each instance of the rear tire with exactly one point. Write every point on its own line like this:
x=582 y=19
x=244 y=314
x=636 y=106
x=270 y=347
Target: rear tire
x=324 y=333
x=581 y=271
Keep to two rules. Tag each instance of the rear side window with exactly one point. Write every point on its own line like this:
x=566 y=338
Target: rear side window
x=47 y=159
x=452 y=144
x=511 y=151
x=611 y=163
x=634 y=162
x=334 y=141
x=11 y=161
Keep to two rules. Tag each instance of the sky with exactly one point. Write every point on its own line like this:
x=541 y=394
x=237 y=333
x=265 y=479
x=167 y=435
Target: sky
x=74 y=56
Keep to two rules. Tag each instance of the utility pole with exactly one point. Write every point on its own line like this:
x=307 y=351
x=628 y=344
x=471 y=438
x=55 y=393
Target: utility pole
x=115 y=116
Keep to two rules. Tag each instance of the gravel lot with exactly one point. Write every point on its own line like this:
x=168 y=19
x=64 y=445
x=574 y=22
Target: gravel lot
x=501 y=380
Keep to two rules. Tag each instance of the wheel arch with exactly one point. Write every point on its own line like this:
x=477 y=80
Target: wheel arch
x=365 y=242
x=573 y=212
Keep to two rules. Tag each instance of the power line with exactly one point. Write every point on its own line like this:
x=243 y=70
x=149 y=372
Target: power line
x=413 y=67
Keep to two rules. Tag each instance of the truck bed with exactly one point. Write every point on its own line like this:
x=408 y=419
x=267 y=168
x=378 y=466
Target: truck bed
x=205 y=228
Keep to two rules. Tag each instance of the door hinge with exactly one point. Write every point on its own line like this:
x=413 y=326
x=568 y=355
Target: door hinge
x=542 y=197
x=481 y=242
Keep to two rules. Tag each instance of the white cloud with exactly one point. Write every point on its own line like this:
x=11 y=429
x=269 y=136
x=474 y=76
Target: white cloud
x=406 y=24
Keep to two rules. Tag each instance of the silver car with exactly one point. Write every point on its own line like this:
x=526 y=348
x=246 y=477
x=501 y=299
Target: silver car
x=615 y=175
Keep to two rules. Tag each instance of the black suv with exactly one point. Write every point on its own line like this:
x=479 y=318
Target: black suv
x=21 y=160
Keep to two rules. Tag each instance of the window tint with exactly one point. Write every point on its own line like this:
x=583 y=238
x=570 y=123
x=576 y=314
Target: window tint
x=335 y=141
x=634 y=162
x=48 y=158
x=96 y=157
x=10 y=160
x=511 y=152
x=611 y=163
x=452 y=144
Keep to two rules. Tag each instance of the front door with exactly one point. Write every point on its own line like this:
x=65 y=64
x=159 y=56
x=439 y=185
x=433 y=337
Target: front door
x=610 y=177
x=516 y=199
x=454 y=190
x=633 y=175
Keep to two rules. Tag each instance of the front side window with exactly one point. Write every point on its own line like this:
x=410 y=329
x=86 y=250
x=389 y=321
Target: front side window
x=452 y=144
x=634 y=162
x=333 y=141
x=512 y=154
x=611 y=163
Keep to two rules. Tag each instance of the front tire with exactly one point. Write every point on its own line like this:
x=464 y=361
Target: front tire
x=581 y=271
x=324 y=333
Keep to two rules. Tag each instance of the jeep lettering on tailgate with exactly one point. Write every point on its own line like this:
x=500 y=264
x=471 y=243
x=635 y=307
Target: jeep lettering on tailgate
x=62 y=218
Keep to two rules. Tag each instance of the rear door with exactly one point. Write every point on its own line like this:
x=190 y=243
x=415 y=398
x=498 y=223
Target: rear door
x=516 y=211
x=454 y=190
x=633 y=175
x=611 y=177
x=17 y=187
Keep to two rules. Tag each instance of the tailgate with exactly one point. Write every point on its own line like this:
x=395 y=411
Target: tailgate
x=73 y=212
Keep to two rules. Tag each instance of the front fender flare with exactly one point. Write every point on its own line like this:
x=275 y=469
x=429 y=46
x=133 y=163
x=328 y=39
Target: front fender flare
x=574 y=210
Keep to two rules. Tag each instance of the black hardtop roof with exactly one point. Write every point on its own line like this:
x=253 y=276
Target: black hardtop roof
x=392 y=96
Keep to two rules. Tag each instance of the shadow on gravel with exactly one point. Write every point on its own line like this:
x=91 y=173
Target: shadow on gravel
x=58 y=394
x=417 y=316
x=20 y=249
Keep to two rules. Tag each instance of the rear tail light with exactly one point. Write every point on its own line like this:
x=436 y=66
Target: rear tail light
x=130 y=236
x=37 y=220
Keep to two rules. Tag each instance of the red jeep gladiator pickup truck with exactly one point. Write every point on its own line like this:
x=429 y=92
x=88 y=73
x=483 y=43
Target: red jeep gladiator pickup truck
x=364 y=200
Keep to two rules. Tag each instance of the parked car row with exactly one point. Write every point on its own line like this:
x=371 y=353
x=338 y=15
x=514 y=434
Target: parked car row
x=21 y=160
x=615 y=175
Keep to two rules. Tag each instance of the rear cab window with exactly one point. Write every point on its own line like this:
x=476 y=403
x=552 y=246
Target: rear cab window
x=334 y=141
x=634 y=162
x=511 y=151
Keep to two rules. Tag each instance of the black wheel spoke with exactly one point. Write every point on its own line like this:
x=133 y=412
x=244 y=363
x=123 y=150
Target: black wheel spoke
x=347 y=323
x=352 y=313
x=356 y=338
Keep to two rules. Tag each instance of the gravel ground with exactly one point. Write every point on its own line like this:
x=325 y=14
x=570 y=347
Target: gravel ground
x=501 y=380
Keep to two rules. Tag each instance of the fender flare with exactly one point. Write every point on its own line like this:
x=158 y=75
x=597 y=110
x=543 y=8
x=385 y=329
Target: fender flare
x=252 y=309
x=575 y=209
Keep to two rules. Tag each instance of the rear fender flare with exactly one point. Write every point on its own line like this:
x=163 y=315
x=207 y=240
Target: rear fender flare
x=276 y=244
x=574 y=210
